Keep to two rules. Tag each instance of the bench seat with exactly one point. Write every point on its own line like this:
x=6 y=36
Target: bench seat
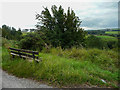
x=26 y=54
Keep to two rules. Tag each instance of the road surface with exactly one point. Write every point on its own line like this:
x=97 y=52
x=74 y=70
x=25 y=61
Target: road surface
x=9 y=81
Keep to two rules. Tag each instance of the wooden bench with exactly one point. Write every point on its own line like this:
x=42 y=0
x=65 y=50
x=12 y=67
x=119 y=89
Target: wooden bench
x=25 y=54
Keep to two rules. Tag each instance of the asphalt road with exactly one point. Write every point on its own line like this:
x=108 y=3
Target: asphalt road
x=9 y=81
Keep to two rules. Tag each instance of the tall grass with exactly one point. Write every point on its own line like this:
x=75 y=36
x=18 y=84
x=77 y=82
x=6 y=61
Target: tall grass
x=60 y=71
x=9 y=43
x=67 y=68
x=105 y=59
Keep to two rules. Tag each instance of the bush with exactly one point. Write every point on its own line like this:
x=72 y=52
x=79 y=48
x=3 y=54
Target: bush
x=112 y=44
x=95 y=42
x=9 y=43
x=32 y=41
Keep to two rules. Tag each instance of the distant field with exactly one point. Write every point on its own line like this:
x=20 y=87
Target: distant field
x=106 y=38
x=112 y=32
x=25 y=33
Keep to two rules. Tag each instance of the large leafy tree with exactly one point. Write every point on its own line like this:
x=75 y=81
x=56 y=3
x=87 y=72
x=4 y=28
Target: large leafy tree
x=62 y=29
x=6 y=32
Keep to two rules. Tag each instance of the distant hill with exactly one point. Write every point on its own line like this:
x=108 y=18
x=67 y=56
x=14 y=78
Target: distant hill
x=115 y=32
x=112 y=29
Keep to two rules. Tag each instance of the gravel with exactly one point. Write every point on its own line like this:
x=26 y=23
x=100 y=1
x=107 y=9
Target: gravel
x=10 y=81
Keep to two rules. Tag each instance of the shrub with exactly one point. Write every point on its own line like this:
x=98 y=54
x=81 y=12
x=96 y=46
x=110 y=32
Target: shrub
x=9 y=43
x=95 y=42
x=32 y=41
x=112 y=44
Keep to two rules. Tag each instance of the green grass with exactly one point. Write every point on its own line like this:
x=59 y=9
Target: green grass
x=66 y=68
x=9 y=43
x=112 y=32
x=107 y=38
x=103 y=58
x=62 y=70
x=103 y=36
x=25 y=33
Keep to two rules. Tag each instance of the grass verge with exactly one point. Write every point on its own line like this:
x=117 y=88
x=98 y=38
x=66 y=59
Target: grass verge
x=60 y=71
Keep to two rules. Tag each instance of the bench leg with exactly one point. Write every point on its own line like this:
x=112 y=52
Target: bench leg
x=23 y=58
x=13 y=56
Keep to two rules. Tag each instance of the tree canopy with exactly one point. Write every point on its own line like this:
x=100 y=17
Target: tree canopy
x=62 y=29
x=11 y=33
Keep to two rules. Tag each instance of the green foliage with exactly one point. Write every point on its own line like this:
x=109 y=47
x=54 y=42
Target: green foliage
x=9 y=43
x=111 y=42
x=32 y=30
x=62 y=29
x=11 y=33
x=95 y=42
x=60 y=71
x=95 y=32
x=32 y=41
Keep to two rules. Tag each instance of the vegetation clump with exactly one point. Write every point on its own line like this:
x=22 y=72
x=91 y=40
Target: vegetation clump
x=11 y=33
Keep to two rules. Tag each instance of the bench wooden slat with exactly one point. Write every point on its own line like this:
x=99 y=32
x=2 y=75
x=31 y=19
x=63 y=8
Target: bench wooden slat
x=14 y=54
x=24 y=53
x=19 y=53
x=21 y=50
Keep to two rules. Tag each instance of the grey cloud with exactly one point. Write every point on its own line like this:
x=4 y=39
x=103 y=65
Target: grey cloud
x=111 y=5
x=105 y=15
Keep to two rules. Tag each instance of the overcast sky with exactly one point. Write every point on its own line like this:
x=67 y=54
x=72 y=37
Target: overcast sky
x=94 y=15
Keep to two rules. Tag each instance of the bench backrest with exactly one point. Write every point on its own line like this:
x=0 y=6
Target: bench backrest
x=22 y=52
